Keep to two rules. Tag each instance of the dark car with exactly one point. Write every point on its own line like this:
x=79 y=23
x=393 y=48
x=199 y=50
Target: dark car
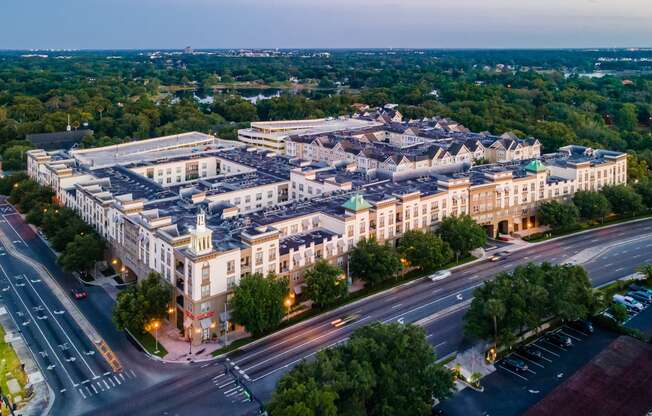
x=583 y=326
x=639 y=296
x=78 y=293
x=638 y=288
x=515 y=363
x=530 y=352
x=559 y=340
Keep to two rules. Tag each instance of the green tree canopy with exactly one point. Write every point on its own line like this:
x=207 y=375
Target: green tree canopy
x=624 y=201
x=82 y=253
x=324 y=283
x=372 y=262
x=558 y=215
x=462 y=234
x=140 y=304
x=258 y=302
x=592 y=205
x=424 y=250
x=384 y=370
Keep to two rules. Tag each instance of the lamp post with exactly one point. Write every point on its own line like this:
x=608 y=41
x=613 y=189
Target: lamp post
x=156 y=325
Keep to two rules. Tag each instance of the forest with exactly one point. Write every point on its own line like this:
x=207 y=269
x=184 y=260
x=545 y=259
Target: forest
x=600 y=98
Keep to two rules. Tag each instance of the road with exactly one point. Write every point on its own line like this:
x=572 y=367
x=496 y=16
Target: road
x=196 y=388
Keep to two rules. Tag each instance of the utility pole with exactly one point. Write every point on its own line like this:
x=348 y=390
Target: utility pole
x=226 y=327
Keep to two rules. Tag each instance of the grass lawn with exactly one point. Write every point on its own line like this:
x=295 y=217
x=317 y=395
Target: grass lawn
x=10 y=367
x=148 y=341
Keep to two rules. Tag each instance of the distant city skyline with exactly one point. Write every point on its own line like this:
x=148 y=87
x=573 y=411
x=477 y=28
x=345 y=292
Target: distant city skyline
x=174 y=24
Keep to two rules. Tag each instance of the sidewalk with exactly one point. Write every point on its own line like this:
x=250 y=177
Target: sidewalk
x=42 y=397
x=178 y=347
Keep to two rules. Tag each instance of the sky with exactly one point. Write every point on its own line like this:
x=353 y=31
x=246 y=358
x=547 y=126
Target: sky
x=172 y=24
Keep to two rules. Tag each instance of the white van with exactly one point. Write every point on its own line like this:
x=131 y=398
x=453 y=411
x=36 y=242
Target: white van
x=440 y=275
x=628 y=301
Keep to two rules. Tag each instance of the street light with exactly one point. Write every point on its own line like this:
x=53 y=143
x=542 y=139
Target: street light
x=156 y=325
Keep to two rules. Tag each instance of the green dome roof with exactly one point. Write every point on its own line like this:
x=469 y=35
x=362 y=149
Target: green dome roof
x=535 y=166
x=356 y=203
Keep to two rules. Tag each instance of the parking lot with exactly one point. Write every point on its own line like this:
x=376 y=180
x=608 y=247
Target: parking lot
x=511 y=391
x=642 y=321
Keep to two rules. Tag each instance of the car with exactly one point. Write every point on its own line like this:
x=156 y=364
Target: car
x=440 y=275
x=582 y=326
x=515 y=363
x=629 y=302
x=647 y=296
x=530 y=352
x=639 y=288
x=639 y=297
x=503 y=238
x=570 y=263
x=559 y=340
x=499 y=256
x=345 y=320
x=78 y=293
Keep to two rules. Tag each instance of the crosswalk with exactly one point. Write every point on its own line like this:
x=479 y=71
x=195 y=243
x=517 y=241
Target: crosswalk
x=232 y=388
x=104 y=383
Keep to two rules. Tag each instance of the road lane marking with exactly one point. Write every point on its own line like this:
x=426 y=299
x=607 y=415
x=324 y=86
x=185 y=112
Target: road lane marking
x=82 y=393
x=47 y=341
x=305 y=343
x=62 y=330
x=398 y=305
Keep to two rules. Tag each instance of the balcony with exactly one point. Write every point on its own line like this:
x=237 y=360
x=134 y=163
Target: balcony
x=180 y=284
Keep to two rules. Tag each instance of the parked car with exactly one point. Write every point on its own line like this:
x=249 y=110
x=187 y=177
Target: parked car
x=78 y=293
x=345 y=320
x=440 y=275
x=639 y=288
x=570 y=263
x=628 y=302
x=499 y=256
x=515 y=363
x=530 y=352
x=582 y=326
x=559 y=340
x=503 y=237
x=641 y=297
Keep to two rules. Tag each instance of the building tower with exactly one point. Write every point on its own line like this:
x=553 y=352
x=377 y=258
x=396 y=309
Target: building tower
x=201 y=238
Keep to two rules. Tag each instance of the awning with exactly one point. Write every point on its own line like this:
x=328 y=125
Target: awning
x=297 y=289
x=205 y=323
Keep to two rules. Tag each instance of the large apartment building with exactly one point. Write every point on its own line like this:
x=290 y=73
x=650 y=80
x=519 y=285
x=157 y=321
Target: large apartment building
x=203 y=212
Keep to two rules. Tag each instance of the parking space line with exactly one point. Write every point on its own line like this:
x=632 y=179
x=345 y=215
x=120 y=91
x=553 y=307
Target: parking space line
x=533 y=372
x=226 y=384
x=556 y=346
x=571 y=336
x=529 y=361
x=546 y=350
x=82 y=393
x=510 y=371
x=576 y=330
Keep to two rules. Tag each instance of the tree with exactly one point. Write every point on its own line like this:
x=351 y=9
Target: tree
x=646 y=270
x=619 y=312
x=592 y=205
x=82 y=253
x=324 y=284
x=424 y=250
x=644 y=189
x=372 y=262
x=626 y=117
x=142 y=303
x=624 y=201
x=462 y=234
x=258 y=302
x=557 y=215
x=384 y=369
x=495 y=309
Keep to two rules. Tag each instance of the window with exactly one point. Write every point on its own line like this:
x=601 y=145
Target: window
x=349 y=232
x=205 y=290
x=270 y=194
x=259 y=258
x=259 y=196
x=230 y=282
x=204 y=307
x=205 y=272
x=272 y=253
x=230 y=267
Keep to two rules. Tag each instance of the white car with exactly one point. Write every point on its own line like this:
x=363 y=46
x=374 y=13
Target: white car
x=440 y=275
x=628 y=301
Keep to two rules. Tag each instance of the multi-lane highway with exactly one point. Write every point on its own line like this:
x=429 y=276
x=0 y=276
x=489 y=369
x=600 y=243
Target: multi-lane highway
x=147 y=387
